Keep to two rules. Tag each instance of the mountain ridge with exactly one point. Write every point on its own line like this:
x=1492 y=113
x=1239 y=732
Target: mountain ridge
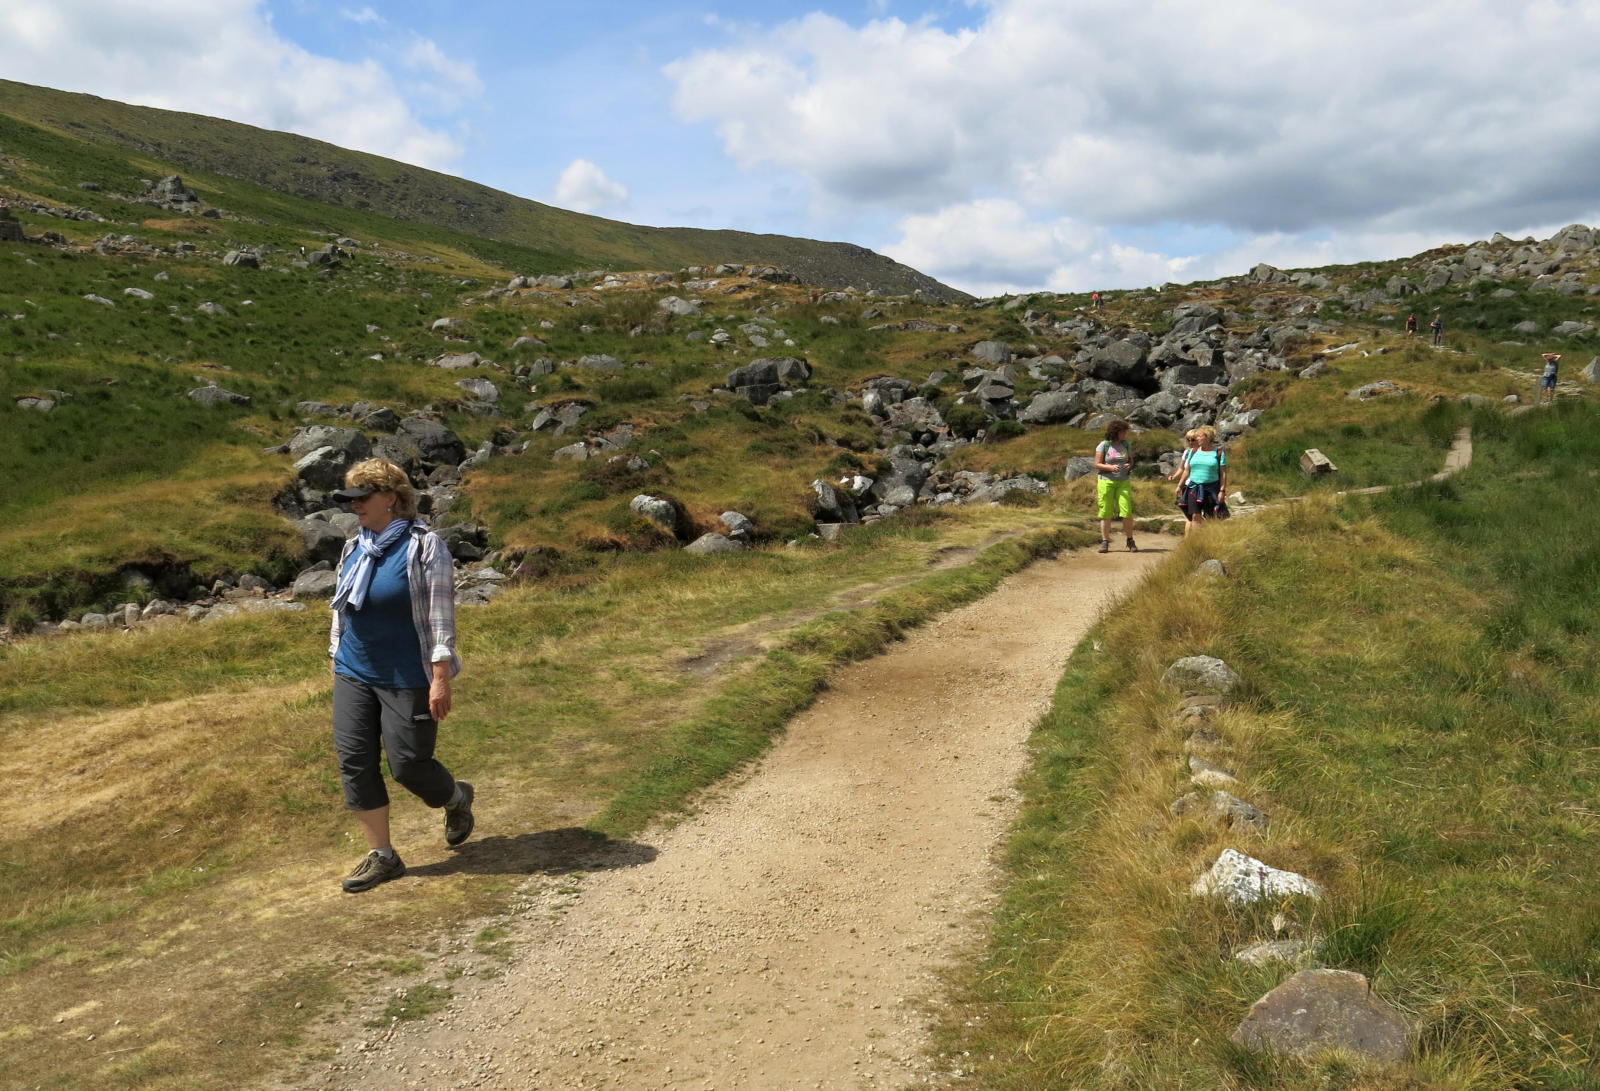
x=315 y=170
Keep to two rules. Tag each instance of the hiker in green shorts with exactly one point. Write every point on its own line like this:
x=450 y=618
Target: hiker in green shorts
x=1114 y=491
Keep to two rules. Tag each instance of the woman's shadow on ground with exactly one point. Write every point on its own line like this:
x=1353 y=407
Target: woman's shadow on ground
x=547 y=852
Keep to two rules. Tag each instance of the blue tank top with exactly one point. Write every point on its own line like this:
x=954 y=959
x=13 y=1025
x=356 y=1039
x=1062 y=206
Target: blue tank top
x=378 y=644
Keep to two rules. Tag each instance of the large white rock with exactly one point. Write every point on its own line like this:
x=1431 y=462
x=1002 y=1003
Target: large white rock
x=1243 y=879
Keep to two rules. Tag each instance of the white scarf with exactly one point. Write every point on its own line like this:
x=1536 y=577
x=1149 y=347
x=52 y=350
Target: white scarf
x=370 y=548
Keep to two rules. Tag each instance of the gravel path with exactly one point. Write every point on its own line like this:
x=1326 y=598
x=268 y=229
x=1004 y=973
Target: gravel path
x=786 y=935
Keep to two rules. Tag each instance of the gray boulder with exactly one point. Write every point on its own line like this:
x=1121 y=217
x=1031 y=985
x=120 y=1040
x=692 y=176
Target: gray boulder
x=739 y=527
x=1267 y=274
x=1078 y=466
x=349 y=440
x=992 y=352
x=1053 y=407
x=600 y=362
x=1321 y=1011
x=681 y=307
x=1158 y=410
x=435 y=442
x=215 y=395
x=1294 y=952
x=713 y=543
x=1591 y=371
x=315 y=583
x=1381 y=388
x=661 y=512
x=1223 y=809
x=916 y=415
x=1195 y=674
x=401 y=450
x=482 y=390
x=244 y=259
x=459 y=361
x=1122 y=362
x=1242 y=879
x=323 y=538
x=323 y=468
x=1195 y=318
x=1192 y=375
x=1572 y=329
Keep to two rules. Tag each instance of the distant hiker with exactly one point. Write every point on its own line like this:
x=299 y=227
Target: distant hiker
x=1191 y=440
x=1437 y=326
x=1114 y=489
x=1095 y=300
x=1205 y=475
x=1411 y=325
x=1547 y=381
x=393 y=649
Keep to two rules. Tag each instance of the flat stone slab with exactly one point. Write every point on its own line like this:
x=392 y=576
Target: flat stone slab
x=1295 y=952
x=1322 y=1011
x=1202 y=674
x=1223 y=809
x=1243 y=879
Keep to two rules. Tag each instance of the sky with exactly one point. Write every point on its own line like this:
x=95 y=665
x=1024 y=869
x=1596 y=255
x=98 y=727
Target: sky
x=998 y=145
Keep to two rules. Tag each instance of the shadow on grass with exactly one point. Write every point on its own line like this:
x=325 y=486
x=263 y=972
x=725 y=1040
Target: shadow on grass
x=547 y=852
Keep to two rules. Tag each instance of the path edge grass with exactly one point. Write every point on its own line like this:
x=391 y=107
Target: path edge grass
x=741 y=722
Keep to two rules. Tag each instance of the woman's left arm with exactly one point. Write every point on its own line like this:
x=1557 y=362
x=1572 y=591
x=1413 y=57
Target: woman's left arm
x=439 y=576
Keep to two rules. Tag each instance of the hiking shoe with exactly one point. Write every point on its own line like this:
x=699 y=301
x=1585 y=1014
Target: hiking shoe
x=374 y=868
x=1105 y=546
x=1132 y=548
x=458 y=819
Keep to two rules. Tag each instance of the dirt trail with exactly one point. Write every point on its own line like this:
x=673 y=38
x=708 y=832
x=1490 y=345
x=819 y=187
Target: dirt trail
x=784 y=935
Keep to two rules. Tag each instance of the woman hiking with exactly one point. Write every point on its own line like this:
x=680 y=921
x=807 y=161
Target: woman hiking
x=1191 y=440
x=1114 y=491
x=392 y=643
x=1205 y=475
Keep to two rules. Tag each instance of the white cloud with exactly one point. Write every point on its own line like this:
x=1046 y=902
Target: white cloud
x=992 y=246
x=223 y=58
x=584 y=187
x=452 y=79
x=364 y=16
x=1276 y=124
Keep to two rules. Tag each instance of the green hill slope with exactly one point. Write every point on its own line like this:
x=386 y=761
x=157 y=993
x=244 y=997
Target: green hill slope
x=310 y=169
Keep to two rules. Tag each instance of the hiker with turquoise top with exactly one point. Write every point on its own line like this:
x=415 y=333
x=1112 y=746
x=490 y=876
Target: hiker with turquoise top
x=1205 y=476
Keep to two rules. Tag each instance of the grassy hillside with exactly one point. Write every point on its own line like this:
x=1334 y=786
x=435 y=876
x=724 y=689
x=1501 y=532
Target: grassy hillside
x=355 y=182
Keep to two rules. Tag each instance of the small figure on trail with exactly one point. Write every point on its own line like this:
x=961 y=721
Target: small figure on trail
x=1191 y=440
x=1437 y=326
x=392 y=644
x=1547 y=381
x=1095 y=300
x=1205 y=476
x=1114 y=489
x=1411 y=325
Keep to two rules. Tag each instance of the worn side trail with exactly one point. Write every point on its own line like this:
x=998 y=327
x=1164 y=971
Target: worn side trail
x=786 y=935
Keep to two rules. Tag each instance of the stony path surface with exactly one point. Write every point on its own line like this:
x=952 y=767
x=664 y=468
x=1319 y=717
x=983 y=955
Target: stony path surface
x=784 y=935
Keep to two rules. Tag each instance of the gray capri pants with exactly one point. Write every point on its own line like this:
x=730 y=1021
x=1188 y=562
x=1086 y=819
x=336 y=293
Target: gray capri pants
x=368 y=719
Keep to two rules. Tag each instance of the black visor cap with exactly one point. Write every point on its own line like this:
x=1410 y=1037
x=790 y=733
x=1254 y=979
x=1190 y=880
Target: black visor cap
x=359 y=492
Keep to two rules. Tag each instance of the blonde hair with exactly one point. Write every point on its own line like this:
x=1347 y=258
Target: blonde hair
x=1206 y=432
x=381 y=475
